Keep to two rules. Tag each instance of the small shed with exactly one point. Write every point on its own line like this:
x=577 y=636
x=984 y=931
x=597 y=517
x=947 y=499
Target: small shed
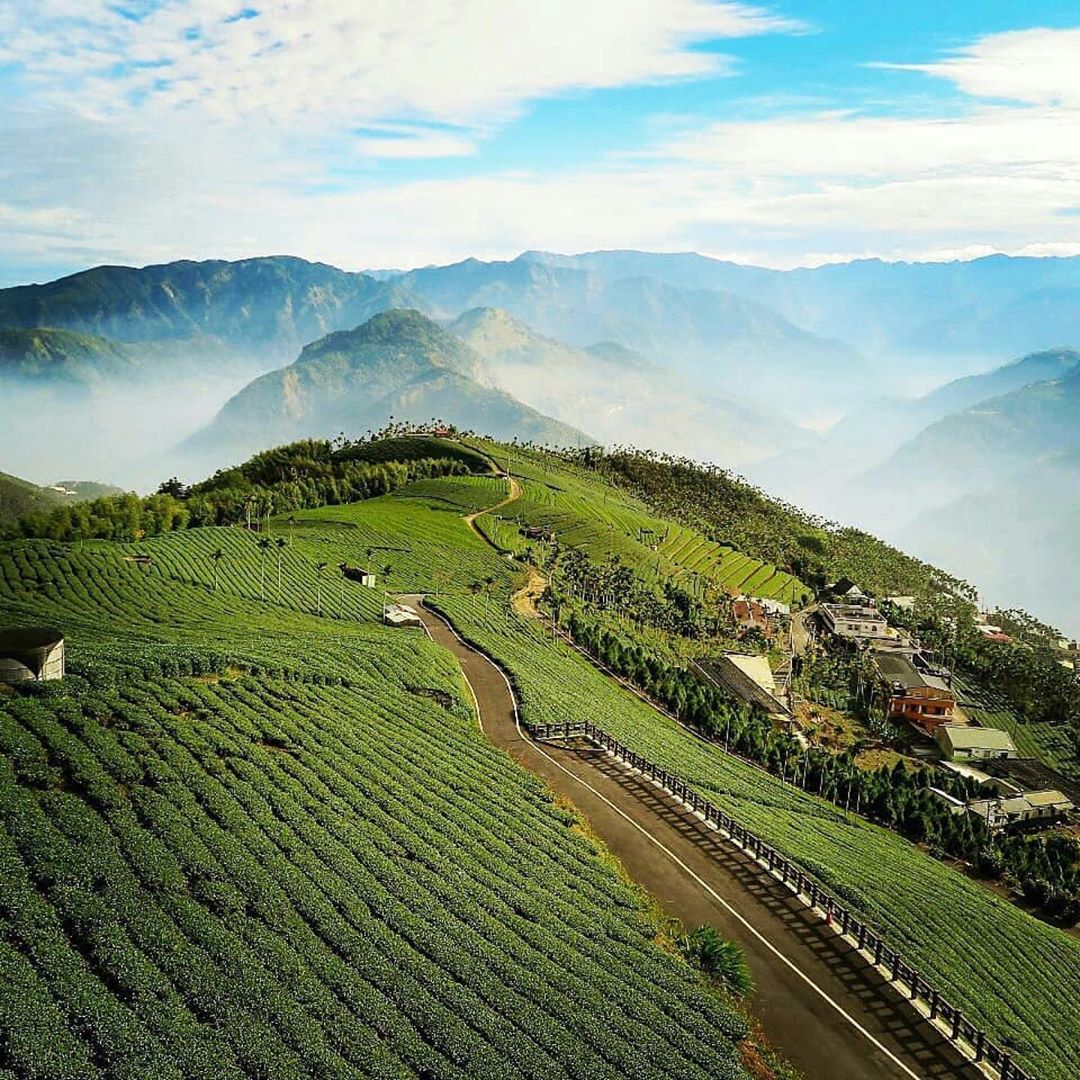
x=968 y=742
x=401 y=615
x=31 y=654
x=359 y=575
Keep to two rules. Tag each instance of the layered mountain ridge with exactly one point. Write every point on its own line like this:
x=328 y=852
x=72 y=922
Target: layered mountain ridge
x=399 y=364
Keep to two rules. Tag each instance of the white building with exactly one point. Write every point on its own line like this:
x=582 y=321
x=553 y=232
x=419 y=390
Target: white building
x=858 y=622
x=1031 y=806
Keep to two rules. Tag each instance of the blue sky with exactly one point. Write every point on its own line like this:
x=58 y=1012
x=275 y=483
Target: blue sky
x=394 y=135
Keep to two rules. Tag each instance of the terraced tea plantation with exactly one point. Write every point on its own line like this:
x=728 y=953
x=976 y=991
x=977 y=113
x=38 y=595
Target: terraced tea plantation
x=1012 y=973
x=584 y=512
x=245 y=839
x=241 y=840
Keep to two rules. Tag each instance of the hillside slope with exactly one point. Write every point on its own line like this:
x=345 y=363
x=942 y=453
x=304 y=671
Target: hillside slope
x=985 y=444
x=1017 y=538
x=292 y=844
x=18 y=497
x=245 y=840
x=399 y=364
x=63 y=357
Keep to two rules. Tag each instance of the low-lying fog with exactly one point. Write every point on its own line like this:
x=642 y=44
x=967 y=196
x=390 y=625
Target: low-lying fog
x=128 y=436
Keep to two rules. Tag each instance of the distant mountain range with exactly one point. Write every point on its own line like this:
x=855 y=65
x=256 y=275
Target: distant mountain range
x=1017 y=539
x=617 y=394
x=995 y=438
x=677 y=352
x=398 y=364
x=267 y=307
x=991 y=308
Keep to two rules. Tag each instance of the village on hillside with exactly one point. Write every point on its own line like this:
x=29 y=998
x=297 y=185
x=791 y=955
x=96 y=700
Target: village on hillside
x=902 y=694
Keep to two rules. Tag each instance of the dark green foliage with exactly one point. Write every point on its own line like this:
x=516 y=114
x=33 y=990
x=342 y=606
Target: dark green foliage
x=302 y=475
x=414 y=448
x=720 y=960
x=733 y=512
x=894 y=797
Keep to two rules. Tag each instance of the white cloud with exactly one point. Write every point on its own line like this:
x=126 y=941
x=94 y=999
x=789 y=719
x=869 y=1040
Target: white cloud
x=984 y=141
x=159 y=178
x=1036 y=66
x=464 y=61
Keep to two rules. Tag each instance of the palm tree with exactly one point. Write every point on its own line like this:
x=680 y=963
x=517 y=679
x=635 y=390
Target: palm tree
x=279 y=543
x=217 y=557
x=319 y=568
x=264 y=547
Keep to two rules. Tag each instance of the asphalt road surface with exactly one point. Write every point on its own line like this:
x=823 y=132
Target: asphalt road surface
x=830 y=1013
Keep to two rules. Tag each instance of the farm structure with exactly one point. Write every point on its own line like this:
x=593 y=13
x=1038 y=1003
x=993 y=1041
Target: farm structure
x=749 y=678
x=924 y=698
x=846 y=590
x=1040 y=807
x=856 y=622
x=1030 y=774
x=401 y=615
x=750 y=615
x=363 y=577
x=34 y=654
x=968 y=742
x=775 y=609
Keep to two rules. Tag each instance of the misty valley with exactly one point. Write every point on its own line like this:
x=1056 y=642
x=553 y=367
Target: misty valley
x=933 y=404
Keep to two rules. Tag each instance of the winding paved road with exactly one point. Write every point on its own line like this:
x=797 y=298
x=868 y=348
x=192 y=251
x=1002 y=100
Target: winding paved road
x=821 y=1005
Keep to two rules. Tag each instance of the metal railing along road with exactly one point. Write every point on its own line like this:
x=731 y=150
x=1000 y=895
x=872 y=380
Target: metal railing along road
x=966 y=1036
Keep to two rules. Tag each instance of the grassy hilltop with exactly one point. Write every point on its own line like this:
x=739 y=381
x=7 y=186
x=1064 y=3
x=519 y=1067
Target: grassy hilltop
x=253 y=834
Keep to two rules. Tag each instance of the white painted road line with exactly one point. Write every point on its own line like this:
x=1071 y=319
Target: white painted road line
x=671 y=855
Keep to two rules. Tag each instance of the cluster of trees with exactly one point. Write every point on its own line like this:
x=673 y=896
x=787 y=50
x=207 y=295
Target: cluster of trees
x=734 y=512
x=301 y=475
x=1025 y=672
x=896 y=797
x=111 y=517
x=614 y=587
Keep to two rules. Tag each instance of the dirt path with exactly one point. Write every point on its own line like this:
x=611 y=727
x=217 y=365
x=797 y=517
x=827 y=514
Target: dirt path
x=821 y=1005
x=526 y=600
x=515 y=494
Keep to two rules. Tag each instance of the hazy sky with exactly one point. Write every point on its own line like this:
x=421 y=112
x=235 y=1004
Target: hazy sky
x=369 y=133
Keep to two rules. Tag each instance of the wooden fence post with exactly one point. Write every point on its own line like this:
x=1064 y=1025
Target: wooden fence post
x=980 y=1038
x=934 y=998
x=956 y=1020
